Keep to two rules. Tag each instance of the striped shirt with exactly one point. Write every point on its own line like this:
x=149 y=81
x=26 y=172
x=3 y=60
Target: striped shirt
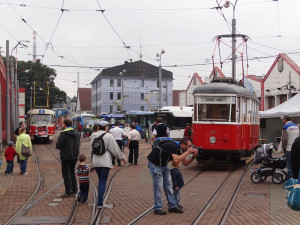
x=83 y=173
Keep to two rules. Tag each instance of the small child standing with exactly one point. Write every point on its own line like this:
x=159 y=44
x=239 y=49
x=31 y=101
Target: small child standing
x=83 y=173
x=146 y=136
x=178 y=182
x=10 y=153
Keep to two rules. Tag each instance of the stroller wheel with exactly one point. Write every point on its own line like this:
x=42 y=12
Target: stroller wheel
x=284 y=175
x=277 y=178
x=256 y=177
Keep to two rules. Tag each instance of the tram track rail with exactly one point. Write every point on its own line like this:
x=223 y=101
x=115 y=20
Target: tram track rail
x=228 y=206
x=99 y=212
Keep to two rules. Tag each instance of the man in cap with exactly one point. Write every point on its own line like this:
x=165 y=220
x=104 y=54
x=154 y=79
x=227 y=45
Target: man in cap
x=103 y=163
x=290 y=132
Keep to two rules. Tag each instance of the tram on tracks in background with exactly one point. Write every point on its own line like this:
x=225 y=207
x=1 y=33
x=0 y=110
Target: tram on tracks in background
x=144 y=118
x=226 y=122
x=112 y=118
x=175 y=118
x=41 y=124
x=84 y=119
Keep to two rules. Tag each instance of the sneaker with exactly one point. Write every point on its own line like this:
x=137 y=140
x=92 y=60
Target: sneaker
x=160 y=212
x=175 y=210
x=119 y=164
x=86 y=202
x=180 y=206
x=102 y=206
x=23 y=173
x=6 y=174
x=79 y=199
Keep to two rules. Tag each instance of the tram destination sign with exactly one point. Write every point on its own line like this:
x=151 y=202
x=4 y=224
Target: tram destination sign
x=215 y=100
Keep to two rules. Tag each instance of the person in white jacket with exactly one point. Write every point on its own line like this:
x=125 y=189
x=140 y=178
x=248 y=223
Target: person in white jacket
x=290 y=132
x=103 y=163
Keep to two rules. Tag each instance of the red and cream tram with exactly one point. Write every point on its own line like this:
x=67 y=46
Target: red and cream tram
x=41 y=124
x=226 y=122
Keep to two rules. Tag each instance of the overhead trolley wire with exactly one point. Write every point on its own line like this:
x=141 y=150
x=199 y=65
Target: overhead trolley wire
x=102 y=11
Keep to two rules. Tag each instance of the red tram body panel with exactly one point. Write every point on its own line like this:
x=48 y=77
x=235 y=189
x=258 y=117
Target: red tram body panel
x=226 y=122
x=41 y=124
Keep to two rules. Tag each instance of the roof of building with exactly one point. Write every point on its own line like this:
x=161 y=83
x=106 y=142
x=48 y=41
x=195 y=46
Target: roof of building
x=137 y=69
x=219 y=72
x=85 y=97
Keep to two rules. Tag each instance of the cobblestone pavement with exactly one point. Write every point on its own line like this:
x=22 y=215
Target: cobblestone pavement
x=132 y=194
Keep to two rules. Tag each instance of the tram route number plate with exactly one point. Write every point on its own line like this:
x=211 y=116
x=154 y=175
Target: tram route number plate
x=41 y=111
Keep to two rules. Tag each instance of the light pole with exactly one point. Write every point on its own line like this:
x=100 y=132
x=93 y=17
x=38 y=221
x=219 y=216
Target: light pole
x=30 y=98
x=233 y=24
x=122 y=88
x=160 y=78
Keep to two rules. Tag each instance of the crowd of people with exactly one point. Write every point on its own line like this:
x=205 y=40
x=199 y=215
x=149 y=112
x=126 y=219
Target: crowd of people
x=107 y=147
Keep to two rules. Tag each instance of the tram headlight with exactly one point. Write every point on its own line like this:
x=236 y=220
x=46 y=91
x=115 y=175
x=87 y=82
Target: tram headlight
x=212 y=140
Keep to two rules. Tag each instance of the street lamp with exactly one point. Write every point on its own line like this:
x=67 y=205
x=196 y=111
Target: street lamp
x=122 y=88
x=160 y=78
x=233 y=24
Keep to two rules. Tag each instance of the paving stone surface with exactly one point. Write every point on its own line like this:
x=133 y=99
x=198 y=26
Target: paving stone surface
x=132 y=194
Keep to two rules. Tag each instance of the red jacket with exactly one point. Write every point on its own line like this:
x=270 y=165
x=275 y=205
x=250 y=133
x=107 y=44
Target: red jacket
x=10 y=153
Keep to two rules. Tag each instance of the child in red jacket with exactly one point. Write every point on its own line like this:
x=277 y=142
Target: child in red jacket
x=10 y=153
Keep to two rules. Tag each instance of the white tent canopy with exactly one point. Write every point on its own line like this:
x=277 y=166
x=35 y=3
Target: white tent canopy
x=290 y=107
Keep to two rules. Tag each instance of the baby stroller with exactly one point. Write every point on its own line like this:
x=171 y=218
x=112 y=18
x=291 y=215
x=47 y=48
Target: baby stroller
x=269 y=166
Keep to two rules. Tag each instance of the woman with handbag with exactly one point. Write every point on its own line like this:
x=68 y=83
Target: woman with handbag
x=24 y=149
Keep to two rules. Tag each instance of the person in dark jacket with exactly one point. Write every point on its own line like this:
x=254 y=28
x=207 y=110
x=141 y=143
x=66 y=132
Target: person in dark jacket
x=161 y=130
x=295 y=157
x=178 y=182
x=68 y=143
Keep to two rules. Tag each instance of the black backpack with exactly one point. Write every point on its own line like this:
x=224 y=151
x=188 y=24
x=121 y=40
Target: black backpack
x=98 y=146
x=158 y=156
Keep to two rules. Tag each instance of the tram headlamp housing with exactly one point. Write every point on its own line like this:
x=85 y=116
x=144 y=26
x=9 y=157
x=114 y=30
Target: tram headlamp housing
x=212 y=140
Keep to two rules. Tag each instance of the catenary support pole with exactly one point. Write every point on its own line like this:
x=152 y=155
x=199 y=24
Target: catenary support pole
x=7 y=124
x=12 y=95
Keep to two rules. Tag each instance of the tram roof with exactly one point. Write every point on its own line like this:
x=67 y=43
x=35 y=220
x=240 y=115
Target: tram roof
x=41 y=111
x=224 y=88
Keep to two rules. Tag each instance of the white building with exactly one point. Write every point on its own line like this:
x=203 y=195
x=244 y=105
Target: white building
x=282 y=80
x=134 y=81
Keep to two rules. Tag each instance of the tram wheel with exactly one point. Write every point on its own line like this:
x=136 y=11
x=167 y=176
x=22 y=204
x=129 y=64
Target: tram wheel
x=256 y=177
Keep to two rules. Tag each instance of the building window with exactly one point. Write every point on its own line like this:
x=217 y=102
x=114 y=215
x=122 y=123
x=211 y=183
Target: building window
x=142 y=96
x=282 y=98
x=111 y=94
x=111 y=108
x=164 y=84
x=164 y=97
x=142 y=108
x=194 y=81
x=119 y=82
x=158 y=83
x=142 y=83
x=119 y=95
x=271 y=100
x=111 y=82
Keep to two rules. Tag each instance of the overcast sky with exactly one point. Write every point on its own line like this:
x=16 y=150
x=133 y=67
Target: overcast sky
x=184 y=29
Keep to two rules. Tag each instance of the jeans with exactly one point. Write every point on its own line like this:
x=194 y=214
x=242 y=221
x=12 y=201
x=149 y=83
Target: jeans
x=102 y=173
x=161 y=177
x=290 y=173
x=177 y=196
x=23 y=165
x=84 y=191
x=10 y=167
x=68 y=173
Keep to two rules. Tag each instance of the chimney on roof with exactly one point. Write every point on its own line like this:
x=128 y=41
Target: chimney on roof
x=126 y=62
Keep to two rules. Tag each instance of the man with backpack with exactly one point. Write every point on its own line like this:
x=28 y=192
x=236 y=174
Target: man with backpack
x=68 y=143
x=102 y=146
x=187 y=131
x=163 y=151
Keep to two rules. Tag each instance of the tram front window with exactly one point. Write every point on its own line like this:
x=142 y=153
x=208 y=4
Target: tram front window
x=42 y=119
x=213 y=112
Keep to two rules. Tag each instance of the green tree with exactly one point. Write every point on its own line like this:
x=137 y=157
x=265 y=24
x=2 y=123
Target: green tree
x=30 y=72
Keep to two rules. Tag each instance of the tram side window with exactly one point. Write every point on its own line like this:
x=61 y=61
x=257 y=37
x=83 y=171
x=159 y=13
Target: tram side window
x=238 y=111
x=233 y=113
